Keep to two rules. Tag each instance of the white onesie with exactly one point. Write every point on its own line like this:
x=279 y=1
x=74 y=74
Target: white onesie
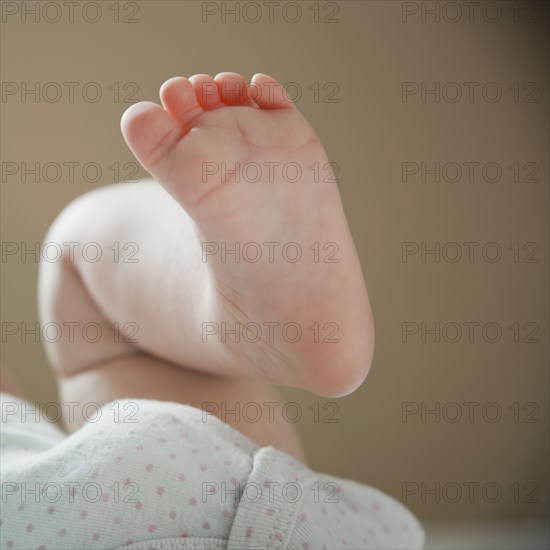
x=144 y=474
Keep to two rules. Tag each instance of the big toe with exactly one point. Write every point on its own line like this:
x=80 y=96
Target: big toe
x=151 y=133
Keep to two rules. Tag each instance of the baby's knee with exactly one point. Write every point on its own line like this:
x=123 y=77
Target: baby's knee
x=76 y=331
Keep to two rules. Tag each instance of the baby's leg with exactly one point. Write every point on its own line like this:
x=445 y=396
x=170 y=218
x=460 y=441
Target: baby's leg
x=149 y=283
x=72 y=293
x=175 y=297
x=254 y=172
x=251 y=407
x=171 y=295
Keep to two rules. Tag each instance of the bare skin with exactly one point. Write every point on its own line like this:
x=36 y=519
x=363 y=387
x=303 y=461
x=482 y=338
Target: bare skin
x=173 y=291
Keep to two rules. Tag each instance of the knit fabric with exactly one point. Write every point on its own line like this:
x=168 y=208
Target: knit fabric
x=143 y=474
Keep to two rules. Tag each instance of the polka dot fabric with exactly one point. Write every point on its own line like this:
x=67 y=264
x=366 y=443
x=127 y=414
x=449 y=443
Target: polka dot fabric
x=156 y=475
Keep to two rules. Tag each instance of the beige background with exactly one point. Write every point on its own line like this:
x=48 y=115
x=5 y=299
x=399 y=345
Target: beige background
x=369 y=132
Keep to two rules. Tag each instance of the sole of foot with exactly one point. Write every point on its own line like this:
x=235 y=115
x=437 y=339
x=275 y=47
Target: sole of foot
x=307 y=293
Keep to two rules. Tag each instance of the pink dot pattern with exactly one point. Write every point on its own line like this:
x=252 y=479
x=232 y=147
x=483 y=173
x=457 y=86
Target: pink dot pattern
x=153 y=481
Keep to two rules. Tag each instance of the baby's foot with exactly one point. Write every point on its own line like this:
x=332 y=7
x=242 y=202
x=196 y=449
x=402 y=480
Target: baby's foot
x=282 y=192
